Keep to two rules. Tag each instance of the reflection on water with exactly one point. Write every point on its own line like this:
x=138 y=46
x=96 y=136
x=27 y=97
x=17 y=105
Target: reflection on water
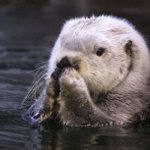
x=26 y=40
x=17 y=135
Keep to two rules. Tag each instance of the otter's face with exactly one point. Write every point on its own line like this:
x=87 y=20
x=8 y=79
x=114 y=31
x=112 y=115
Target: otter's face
x=101 y=61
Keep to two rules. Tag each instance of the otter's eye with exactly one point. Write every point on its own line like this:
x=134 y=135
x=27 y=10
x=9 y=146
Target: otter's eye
x=100 y=51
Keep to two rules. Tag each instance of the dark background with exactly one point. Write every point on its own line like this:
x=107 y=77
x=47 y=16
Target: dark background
x=38 y=21
x=28 y=30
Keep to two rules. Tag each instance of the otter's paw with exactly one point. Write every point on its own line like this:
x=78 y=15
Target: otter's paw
x=37 y=114
x=71 y=79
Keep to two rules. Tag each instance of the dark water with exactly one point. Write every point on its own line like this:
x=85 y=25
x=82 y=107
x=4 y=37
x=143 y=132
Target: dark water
x=26 y=38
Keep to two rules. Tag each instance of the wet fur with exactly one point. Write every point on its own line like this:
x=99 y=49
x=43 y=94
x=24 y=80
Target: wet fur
x=82 y=89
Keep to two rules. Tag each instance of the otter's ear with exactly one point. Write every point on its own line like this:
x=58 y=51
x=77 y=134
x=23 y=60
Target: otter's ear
x=128 y=48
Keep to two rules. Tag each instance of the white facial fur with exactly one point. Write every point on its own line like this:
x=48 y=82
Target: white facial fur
x=79 y=40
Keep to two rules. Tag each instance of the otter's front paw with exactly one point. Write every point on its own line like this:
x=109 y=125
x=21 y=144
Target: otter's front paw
x=71 y=80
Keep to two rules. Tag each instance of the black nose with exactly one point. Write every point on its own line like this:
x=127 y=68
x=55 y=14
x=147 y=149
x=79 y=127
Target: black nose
x=64 y=63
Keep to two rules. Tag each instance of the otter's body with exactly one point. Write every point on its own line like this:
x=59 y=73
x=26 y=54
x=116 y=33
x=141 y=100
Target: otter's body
x=98 y=74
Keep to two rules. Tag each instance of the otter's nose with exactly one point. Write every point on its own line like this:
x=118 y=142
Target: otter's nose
x=64 y=63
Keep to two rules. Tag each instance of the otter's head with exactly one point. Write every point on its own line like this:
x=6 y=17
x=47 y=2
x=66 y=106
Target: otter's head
x=103 y=50
x=100 y=58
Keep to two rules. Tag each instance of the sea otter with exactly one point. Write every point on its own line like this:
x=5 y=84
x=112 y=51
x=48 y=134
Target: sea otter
x=98 y=74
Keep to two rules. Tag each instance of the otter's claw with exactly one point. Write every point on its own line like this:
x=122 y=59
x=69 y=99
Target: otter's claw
x=36 y=115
